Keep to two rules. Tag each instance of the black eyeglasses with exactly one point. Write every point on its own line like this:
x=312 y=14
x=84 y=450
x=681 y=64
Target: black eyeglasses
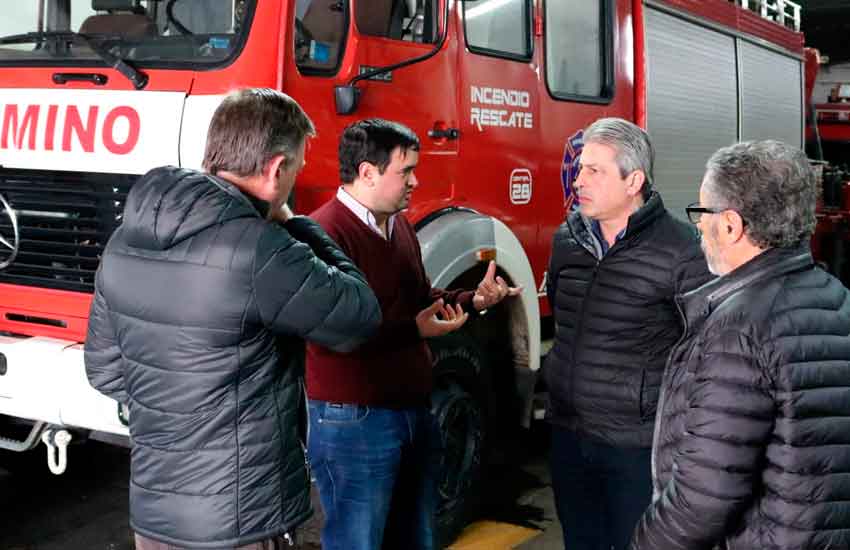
x=695 y=212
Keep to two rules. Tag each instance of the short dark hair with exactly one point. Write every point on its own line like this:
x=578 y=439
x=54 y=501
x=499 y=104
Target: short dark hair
x=250 y=127
x=632 y=145
x=372 y=140
x=771 y=185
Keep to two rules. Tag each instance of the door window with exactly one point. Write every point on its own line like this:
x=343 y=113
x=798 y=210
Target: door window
x=578 y=49
x=498 y=27
x=408 y=20
x=319 y=34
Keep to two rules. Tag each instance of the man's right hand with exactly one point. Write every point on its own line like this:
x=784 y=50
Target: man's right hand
x=431 y=326
x=281 y=214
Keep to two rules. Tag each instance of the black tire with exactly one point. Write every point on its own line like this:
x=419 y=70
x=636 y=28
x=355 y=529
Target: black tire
x=459 y=404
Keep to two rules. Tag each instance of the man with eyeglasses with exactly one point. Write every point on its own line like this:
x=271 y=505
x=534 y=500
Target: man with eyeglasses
x=695 y=213
x=616 y=264
x=752 y=444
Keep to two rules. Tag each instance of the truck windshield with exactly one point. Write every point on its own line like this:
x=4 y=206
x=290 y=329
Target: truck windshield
x=148 y=33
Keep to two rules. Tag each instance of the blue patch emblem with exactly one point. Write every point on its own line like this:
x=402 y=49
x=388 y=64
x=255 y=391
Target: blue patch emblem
x=570 y=168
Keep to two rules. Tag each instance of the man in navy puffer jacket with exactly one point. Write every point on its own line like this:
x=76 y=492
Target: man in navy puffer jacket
x=616 y=264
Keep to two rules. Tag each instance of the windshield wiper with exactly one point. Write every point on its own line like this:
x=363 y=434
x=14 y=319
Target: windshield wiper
x=137 y=77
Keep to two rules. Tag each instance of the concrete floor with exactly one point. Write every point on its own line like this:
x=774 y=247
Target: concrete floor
x=86 y=508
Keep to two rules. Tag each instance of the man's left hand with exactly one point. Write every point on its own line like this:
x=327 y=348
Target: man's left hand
x=492 y=289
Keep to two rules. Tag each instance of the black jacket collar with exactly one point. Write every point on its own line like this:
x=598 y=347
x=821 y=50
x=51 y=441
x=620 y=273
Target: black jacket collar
x=645 y=215
x=770 y=264
x=642 y=218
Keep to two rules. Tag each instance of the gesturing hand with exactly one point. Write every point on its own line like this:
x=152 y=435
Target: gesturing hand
x=430 y=325
x=492 y=290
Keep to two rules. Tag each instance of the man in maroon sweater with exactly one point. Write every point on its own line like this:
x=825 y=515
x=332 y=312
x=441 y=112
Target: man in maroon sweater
x=372 y=440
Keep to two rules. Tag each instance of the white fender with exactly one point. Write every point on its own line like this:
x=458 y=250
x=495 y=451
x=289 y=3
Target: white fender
x=449 y=246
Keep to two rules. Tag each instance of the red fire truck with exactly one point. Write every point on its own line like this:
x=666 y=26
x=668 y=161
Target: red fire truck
x=830 y=100
x=94 y=93
x=828 y=141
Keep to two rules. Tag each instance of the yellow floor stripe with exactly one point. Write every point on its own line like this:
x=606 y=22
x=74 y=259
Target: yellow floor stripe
x=492 y=535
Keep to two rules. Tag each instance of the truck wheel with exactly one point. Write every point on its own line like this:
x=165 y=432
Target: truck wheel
x=459 y=405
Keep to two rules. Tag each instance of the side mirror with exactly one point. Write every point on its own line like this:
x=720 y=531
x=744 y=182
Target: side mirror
x=346 y=99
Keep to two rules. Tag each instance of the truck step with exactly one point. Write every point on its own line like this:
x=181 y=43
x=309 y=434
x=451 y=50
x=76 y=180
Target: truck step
x=17 y=445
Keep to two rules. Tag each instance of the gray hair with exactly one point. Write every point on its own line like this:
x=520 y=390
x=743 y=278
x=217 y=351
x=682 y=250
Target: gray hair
x=772 y=187
x=633 y=149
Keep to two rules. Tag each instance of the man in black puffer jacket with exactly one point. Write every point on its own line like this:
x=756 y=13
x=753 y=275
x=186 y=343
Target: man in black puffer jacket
x=616 y=265
x=752 y=446
x=200 y=310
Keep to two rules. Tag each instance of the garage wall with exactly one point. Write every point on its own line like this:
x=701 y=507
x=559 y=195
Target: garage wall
x=707 y=89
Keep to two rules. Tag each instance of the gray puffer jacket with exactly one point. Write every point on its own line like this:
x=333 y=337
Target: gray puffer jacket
x=200 y=310
x=752 y=445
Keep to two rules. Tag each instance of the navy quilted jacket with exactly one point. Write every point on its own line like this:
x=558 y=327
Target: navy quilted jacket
x=616 y=322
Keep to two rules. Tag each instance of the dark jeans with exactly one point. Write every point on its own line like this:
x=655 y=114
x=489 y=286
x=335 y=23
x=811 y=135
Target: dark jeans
x=376 y=470
x=600 y=491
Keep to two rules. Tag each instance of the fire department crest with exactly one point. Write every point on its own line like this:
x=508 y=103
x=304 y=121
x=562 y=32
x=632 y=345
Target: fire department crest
x=570 y=167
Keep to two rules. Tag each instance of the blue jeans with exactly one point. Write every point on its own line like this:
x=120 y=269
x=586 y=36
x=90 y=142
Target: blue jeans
x=600 y=491
x=376 y=470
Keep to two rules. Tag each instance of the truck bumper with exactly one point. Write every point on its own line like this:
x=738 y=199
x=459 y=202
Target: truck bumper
x=44 y=379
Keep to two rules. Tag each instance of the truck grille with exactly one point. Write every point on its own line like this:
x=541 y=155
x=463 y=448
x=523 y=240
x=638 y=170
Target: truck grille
x=65 y=219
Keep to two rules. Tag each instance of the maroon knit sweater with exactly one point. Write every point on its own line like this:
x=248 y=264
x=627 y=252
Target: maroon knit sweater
x=393 y=369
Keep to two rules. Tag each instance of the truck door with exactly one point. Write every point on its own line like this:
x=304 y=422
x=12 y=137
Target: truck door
x=587 y=74
x=337 y=41
x=500 y=101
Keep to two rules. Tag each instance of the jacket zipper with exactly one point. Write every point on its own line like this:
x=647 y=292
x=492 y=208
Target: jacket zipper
x=307 y=467
x=579 y=334
x=587 y=246
x=662 y=397
x=287 y=536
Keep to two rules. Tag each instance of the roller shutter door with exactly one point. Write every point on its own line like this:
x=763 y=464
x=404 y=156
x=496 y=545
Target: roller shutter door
x=691 y=102
x=771 y=95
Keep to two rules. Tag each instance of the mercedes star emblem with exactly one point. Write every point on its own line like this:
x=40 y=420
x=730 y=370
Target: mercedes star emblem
x=10 y=240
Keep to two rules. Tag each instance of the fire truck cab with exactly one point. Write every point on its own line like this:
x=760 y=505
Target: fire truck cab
x=93 y=93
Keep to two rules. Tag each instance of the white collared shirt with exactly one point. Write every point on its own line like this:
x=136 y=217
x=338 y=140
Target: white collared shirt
x=363 y=213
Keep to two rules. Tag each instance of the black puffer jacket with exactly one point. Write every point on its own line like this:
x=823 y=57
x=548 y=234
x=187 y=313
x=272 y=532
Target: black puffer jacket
x=753 y=437
x=616 y=321
x=197 y=323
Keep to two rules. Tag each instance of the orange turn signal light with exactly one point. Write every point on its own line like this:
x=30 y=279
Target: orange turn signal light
x=485 y=254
